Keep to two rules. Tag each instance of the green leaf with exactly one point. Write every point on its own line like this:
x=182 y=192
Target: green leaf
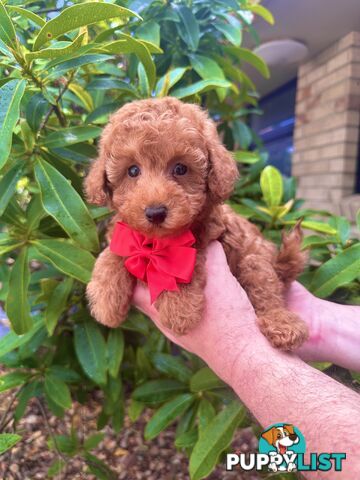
x=143 y=84
x=214 y=439
x=69 y=136
x=135 y=409
x=169 y=80
x=57 y=303
x=108 y=83
x=250 y=57
x=28 y=391
x=262 y=12
x=157 y=391
x=337 y=271
x=56 y=467
x=66 y=257
x=316 y=226
x=316 y=241
x=167 y=414
x=7 y=441
x=63 y=67
x=342 y=226
x=64 y=443
x=199 y=87
x=233 y=34
x=246 y=157
x=10 y=97
x=7 y=243
x=12 y=380
x=57 y=390
x=11 y=341
x=242 y=134
x=17 y=304
x=77 y=153
x=172 y=366
x=206 y=413
x=59 y=51
x=188 y=28
x=129 y=44
x=99 y=115
x=65 y=205
x=83 y=95
x=208 y=69
x=187 y=439
x=78 y=16
x=7 y=30
x=205 y=67
x=93 y=441
x=99 y=468
x=27 y=14
x=205 y=379
x=115 y=351
x=8 y=184
x=90 y=349
x=149 y=31
x=271 y=184
x=35 y=111
x=65 y=374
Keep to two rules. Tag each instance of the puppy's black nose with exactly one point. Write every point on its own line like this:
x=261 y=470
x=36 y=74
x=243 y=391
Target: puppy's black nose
x=293 y=437
x=156 y=214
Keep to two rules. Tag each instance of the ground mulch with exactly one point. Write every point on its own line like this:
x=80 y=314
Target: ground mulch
x=126 y=453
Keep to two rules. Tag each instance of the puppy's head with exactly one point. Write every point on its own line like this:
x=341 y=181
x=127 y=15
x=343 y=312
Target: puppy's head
x=281 y=437
x=160 y=163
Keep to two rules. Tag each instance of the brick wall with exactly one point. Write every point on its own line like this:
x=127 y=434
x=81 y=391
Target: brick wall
x=326 y=133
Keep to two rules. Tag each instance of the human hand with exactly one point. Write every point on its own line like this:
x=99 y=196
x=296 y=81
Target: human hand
x=334 y=333
x=230 y=321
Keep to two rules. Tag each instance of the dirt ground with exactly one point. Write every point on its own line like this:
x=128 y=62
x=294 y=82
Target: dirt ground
x=126 y=453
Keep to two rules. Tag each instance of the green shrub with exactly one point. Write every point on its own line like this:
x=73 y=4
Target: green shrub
x=61 y=77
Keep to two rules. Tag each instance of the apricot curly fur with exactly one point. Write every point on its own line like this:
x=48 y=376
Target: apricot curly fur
x=156 y=134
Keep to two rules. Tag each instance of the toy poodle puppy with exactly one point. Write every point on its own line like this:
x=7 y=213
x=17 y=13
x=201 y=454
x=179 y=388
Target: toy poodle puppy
x=163 y=170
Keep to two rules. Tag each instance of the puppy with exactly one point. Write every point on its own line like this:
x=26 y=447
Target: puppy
x=281 y=438
x=166 y=155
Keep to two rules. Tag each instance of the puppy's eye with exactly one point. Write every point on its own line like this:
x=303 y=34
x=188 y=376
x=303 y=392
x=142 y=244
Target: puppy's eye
x=179 y=169
x=133 y=171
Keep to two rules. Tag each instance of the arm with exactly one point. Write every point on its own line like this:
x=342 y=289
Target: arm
x=286 y=389
x=334 y=329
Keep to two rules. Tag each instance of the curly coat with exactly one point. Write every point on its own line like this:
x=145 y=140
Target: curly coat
x=155 y=135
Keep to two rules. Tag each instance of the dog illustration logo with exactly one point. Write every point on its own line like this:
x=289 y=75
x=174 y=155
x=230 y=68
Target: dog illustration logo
x=282 y=441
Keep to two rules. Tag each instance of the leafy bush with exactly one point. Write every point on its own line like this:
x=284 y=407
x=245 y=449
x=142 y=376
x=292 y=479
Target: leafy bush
x=63 y=71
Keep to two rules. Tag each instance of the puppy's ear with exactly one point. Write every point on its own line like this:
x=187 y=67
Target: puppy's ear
x=223 y=171
x=289 y=428
x=97 y=187
x=269 y=435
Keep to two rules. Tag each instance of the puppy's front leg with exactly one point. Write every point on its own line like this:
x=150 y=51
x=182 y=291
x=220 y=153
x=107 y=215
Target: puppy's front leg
x=110 y=289
x=180 y=311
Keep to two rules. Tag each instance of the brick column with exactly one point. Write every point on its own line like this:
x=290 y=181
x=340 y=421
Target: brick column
x=326 y=137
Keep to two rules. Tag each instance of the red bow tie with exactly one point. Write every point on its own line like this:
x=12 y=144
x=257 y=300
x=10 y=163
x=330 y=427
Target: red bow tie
x=160 y=262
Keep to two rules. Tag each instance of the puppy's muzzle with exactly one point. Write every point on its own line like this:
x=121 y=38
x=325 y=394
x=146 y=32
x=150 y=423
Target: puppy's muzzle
x=156 y=214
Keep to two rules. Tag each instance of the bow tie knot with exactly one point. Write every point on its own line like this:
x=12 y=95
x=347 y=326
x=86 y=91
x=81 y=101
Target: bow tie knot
x=160 y=262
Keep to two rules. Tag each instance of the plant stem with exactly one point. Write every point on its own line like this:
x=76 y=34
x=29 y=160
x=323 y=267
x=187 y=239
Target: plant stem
x=51 y=433
x=55 y=107
x=4 y=421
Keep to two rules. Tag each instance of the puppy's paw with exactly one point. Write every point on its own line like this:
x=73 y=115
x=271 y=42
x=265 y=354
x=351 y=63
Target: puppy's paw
x=284 y=329
x=103 y=308
x=178 y=313
x=177 y=321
